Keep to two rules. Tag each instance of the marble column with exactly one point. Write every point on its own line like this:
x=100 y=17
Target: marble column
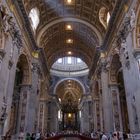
x=33 y=99
x=117 y=119
x=106 y=100
x=23 y=109
x=85 y=119
x=95 y=114
x=54 y=116
x=42 y=116
x=2 y=112
x=131 y=83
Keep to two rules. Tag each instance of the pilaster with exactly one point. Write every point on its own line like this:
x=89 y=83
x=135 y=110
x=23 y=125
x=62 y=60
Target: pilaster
x=117 y=118
x=106 y=97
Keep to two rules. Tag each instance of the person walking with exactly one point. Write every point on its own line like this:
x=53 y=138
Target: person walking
x=114 y=136
x=104 y=137
x=28 y=137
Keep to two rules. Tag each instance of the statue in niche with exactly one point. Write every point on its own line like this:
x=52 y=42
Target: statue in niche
x=132 y=18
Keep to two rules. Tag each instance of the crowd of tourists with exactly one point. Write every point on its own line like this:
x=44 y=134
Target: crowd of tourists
x=93 y=135
x=109 y=136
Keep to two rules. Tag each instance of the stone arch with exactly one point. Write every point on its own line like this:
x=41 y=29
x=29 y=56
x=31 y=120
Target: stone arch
x=24 y=65
x=41 y=32
x=62 y=80
x=104 y=16
x=22 y=78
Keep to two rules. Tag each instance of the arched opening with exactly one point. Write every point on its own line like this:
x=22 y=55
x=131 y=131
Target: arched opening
x=69 y=66
x=21 y=79
x=104 y=17
x=69 y=94
x=34 y=18
x=118 y=92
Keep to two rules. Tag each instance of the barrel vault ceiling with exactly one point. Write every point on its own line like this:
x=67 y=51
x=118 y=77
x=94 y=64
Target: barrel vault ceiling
x=83 y=16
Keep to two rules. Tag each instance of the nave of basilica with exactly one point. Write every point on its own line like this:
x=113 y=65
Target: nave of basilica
x=69 y=65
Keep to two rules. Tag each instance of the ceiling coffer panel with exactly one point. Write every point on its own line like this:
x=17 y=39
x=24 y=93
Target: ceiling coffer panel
x=87 y=10
x=54 y=42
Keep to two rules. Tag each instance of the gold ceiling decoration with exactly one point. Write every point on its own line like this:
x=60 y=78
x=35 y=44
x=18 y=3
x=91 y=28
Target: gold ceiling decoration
x=55 y=38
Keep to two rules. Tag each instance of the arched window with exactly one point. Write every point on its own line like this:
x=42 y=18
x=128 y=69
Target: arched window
x=104 y=16
x=108 y=17
x=69 y=60
x=34 y=18
x=59 y=60
x=79 y=60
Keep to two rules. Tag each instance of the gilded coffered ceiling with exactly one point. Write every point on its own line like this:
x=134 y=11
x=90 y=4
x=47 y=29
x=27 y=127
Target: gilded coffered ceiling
x=86 y=33
x=84 y=41
x=84 y=9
